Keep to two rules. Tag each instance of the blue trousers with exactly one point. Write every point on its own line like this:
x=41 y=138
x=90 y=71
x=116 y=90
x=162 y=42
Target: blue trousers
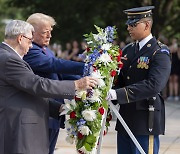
x=54 y=127
x=53 y=136
x=126 y=146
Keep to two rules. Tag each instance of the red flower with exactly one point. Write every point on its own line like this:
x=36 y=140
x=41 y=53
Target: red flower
x=80 y=152
x=87 y=49
x=101 y=110
x=80 y=136
x=119 y=58
x=105 y=133
x=101 y=51
x=94 y=68
x=120 y=52
x=113 y=73
x=73 y=115
x=109 y=118
x=120 y=65
x=77 y=99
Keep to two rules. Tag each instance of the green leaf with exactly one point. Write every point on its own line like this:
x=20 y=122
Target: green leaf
x=80 y=143
x=91 y=139
x=88 y=147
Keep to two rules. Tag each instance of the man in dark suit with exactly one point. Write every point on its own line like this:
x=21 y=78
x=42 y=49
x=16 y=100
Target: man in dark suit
x=45 y=64
x=23 y=110
x=145 y=73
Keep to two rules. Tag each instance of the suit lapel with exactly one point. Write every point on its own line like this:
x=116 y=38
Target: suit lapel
x=148 y=47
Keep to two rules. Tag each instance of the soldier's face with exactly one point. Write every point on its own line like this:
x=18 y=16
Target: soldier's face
x=42 y=34
x=137 y=30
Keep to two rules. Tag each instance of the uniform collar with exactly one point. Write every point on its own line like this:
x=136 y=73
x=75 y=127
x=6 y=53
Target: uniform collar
x=144 y=41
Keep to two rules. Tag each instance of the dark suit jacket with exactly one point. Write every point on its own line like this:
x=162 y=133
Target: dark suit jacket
x=144 y=75
x=23 y=111
x=45 y=64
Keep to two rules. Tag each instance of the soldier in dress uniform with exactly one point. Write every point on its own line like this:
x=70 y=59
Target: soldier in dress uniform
x=145 y=73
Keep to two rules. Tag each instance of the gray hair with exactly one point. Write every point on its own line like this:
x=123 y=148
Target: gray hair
x=17 y=27
x=36 y=18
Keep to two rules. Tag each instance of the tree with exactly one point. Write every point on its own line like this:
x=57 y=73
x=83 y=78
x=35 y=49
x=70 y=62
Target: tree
x=76 y=17
x=7 y=14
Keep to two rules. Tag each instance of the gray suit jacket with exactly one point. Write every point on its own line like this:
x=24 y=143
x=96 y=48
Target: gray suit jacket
x=23 y=110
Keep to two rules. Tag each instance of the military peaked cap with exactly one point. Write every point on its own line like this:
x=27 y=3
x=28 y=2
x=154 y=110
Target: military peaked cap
x=136 y=14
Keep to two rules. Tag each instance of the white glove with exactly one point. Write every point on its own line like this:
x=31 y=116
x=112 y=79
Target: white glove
x=111 y=95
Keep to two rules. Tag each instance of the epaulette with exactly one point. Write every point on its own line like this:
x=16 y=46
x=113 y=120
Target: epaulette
x=163 y=47
x=127 y=46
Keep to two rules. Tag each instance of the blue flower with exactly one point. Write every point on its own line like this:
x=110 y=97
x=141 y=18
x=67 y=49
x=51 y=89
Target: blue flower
x=80 y=122
x=110 y=33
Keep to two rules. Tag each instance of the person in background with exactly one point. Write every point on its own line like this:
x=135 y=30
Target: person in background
x=74 y=54
x=174 y=76
x=67 y=50
x=24 y=111
x=45 y=64
x=145 y=72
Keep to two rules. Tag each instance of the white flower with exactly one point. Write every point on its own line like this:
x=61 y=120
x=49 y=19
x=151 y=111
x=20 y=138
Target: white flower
x=105 y=58
x=96 y=74
x=70 y=139
x=89 y=115
x=101 y=38
x=70 y=102
x=89 y=42
x=106 y=46
x=81 y=94
x=67 y=124
x=100 y=83
x=96 y=37
x=69 y=105
x=84 y=130
x=95 y=97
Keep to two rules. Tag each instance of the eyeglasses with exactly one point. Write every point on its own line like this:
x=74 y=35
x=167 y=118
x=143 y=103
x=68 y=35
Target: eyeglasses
x=136 y=23
x=31 y=39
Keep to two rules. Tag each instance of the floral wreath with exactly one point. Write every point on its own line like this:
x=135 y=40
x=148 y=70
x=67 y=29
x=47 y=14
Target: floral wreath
x=89 y=108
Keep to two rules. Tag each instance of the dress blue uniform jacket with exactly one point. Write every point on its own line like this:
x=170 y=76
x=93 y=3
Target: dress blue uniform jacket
x=45 y=64
x=143 y=76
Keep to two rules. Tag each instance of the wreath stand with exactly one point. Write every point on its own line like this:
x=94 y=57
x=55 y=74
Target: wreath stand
x=123 y=124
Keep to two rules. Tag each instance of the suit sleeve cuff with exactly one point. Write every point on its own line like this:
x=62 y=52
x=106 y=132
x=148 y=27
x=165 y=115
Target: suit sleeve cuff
x=122 y=96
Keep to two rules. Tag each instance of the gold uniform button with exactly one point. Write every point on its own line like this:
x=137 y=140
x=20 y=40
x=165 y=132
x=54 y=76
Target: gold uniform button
x=128 y=77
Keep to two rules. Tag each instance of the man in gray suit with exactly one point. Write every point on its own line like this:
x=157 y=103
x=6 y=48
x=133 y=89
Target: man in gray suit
x=23 y=110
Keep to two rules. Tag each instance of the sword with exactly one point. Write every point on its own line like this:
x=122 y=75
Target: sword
x=151 y=113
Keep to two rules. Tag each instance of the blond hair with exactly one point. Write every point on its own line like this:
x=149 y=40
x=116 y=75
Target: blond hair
x=37 y=18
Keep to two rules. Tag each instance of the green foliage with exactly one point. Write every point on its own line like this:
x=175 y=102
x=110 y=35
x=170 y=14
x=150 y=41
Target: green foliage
x=7 y=13
x=76 y=17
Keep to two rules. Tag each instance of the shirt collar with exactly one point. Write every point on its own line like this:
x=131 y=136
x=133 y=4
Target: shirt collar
x=144 y=41
x=13 y=50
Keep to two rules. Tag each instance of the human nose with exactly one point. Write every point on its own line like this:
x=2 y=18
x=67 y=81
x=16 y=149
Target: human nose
x=128 y=27
x=30 y=45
